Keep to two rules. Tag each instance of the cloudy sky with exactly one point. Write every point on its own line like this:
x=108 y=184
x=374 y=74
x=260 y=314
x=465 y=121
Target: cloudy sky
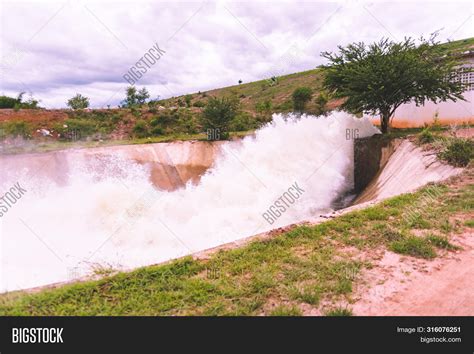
x=56 y=49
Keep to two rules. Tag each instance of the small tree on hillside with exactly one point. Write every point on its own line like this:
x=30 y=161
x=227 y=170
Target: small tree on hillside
x=135 y=97
x=218 y=114
x=301 y=96
x=78 y=102
x=378 y=78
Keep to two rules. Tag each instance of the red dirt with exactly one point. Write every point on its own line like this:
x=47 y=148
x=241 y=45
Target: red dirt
x=403 y=286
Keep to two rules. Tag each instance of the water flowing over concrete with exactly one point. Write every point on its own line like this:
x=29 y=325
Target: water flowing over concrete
x=170 y=165
x=130 y=206
x=404 y=168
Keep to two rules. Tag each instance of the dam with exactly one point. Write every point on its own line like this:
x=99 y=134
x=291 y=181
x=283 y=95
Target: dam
x=123 y=207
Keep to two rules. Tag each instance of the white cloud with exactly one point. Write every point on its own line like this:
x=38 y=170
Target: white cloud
x=86 y=46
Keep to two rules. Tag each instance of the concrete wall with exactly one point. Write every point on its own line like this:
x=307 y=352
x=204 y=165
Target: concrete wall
x=410 y=116
x=171 y=165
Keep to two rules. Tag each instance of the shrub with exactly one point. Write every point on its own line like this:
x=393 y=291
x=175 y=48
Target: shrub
x=155 y=121
x=7 y=102
x=199 y=104
x=321 y=101
x=155 y=131
x=140 y=129
x=265 y=106
x=300 y=97
x=17 y=128
x=17 y=103
x=188 y=99
x=82 y=127
x=426 y=136
x=242 y=122
x=219 y=113
x=458 y=152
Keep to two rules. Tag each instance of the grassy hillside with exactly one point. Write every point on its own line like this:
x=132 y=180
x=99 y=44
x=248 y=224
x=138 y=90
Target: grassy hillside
x=172 y=118
x=279 y=94
x=251 y=94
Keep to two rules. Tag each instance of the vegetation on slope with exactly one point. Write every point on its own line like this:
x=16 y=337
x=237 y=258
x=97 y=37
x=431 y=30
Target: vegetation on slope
x=173 y=118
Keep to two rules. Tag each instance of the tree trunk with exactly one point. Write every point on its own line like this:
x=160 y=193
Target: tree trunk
x=385 y=122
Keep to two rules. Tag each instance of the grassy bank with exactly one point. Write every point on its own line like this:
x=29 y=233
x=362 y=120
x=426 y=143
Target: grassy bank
x=306 y=267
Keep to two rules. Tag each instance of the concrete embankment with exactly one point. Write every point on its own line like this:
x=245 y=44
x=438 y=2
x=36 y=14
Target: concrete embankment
x=385 y=168
x=171 y=165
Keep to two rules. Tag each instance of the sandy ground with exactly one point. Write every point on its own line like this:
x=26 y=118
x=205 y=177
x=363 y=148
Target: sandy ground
x=405 y=286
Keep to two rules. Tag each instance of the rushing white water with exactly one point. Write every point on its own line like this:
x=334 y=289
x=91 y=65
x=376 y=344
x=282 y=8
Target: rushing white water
x=111 y=216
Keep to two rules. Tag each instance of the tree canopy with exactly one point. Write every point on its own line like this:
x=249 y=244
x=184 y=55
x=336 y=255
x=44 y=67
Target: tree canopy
x=378 y=78
x=78 y=102
x=135 y=97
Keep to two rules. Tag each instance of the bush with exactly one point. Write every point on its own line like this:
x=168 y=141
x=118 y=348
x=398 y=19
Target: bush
x=188 y=99
x=155 y=121
x=219 y=113
x=17 y=103
x=321 y=102
x=300 y=97
x=458 y=152
x=80 y=127
x=242 y=122
x=140 y=129
x=155 y=131
x=17 y=128
x=7 y=102
x=199 y=104
x=265 y=106
x=426 y=136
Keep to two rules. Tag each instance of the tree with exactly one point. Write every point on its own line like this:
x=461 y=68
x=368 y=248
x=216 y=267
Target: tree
x=135 y=98
x=300 y=97
x=378 y=78
x=218 y=114
x=17 y=103
x=78 y=102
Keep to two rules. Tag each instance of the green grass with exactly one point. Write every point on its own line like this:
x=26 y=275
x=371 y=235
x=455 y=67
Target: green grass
x=48 y=146
x=414 y=246
x=304 y=266
x=458 y=152
x=441 y=242
x=339 y=311
x=283 y=310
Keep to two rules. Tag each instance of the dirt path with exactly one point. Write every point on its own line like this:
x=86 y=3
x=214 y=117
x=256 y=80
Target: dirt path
x=442 y=287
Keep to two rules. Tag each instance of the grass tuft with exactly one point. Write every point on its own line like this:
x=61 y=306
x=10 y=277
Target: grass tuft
x=339 y=311
x=414 y=246
x=284 y=310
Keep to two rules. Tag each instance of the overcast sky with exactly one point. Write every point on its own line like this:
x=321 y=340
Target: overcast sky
x=57 y=49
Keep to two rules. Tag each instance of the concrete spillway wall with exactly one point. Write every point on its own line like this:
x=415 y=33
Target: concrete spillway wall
x=387 y=167
x=171 y=165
